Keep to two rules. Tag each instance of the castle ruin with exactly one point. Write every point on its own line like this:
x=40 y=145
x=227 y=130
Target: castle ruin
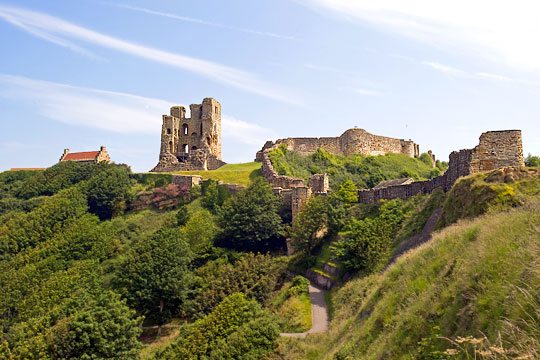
x=191 y=143
x=352 y=141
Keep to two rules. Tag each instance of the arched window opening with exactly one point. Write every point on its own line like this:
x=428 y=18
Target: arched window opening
x=200 y=112
x=170 y=146
x=169 y=131
x=193 y=148
x=208 y=140
x=201 y=129
x=186 y=148
x=185 y=129
x=194 y=134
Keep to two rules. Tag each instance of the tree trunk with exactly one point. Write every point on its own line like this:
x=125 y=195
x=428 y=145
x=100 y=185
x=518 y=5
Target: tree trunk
x=161 y=305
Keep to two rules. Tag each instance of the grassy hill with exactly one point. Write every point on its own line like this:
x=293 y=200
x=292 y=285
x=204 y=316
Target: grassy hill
x=364 y=171
x=474 y=286
x=241 y=174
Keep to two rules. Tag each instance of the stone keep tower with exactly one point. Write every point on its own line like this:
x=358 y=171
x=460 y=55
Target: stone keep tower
x=191 y=143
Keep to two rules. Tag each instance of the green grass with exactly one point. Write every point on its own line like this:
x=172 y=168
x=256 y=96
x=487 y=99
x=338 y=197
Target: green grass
x=293 y=312
x=240 y=174
x=364 y=171
x=471 y=279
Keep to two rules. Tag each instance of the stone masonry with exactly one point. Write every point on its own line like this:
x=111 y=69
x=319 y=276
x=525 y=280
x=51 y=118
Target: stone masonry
x=496 y=149
x=352 y=141
x=191 y=143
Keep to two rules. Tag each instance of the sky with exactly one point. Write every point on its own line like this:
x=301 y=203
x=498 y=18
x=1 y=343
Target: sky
x=80 y=74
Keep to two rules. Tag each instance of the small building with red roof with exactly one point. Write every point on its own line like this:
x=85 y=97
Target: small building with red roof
x=86 y=156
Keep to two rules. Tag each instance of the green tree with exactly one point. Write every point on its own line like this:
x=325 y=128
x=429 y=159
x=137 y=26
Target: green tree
x=104 y=328
x=531 y=160
x=347 y=192
x=182 y=216
x=308 y=225
x=250 y=221
x=237 y=327
x=367 y=241
x=108 y=192
x=254 y=275
x=199 y=231
x=155 y=276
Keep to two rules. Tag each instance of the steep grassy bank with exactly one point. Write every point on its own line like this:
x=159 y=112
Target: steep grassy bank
x=478 y=277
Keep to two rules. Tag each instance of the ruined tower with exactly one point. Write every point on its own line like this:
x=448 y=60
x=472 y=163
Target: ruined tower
x=191 y=143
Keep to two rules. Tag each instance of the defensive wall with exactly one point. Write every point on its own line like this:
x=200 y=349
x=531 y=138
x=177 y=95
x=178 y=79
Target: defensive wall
x=352 y=141
x=496 y=149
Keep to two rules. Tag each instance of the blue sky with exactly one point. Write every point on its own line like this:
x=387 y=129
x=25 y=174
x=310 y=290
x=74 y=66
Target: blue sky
x=81 y=74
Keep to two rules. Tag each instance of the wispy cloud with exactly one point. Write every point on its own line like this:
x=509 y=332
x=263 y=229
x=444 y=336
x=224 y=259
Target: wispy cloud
x=111 y=111
x=244 y=132
x=53 y=29
x=498 y=31
x=444 y=68
x=203 y=22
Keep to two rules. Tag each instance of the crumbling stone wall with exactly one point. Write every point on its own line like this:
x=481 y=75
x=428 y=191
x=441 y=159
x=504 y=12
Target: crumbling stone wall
x=352 y=141
x=191 y=143
x=496 y=149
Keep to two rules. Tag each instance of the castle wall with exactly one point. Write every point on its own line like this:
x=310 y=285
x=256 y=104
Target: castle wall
x=352 y=141
x=496 y=149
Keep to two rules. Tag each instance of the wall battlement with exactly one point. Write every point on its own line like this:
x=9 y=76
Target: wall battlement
x=191 y=143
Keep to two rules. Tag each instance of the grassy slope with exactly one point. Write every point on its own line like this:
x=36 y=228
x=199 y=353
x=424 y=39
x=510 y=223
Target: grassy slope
x=364 y=171
x=471 y=278
x=241 y=174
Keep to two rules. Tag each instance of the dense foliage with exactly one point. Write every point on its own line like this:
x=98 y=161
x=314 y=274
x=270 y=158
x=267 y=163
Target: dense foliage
x=364 y=171
x=367 y=242
x=250 y=220
x=237 y=329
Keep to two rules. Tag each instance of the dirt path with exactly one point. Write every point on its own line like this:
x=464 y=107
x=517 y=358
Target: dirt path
x=319 y=314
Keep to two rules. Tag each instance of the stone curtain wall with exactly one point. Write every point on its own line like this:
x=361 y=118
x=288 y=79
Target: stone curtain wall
x=496 y=149
x=352 y=141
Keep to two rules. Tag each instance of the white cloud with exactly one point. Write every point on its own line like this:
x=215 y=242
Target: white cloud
x=52 y=28
x=495 y=77
x=497 y=30
x=112 y=111
x=203 y=22
x=244 y=132
x=444 y=68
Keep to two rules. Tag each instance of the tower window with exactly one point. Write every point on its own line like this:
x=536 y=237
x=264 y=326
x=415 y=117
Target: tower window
x=186 y=148
x=216 y=110
x=193 y=148
x=194 y=134
x=170 y=146
x=200 y=112
x=169 y=131
x=185 y=129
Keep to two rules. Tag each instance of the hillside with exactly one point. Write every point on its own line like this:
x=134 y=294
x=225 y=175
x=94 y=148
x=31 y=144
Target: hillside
x=364 y=171
x=473 y=286
x=241 y=174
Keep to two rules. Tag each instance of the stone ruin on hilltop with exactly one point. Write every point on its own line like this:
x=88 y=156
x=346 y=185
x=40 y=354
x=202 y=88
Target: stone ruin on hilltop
x=496 y=149
x=191 y=143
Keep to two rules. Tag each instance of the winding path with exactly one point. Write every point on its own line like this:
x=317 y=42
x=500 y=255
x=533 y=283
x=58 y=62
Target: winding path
x=319 y=314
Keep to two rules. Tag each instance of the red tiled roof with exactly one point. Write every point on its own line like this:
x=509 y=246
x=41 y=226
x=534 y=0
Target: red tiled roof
x=87 y=155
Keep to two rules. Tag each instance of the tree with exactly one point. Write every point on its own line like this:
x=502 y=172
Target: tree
x=531 y=160
x=200 y=231
x=104 y=328
x=155 y=276
x=108 y=191
x=250 y=221
x=308 y=225
x=347 y=192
